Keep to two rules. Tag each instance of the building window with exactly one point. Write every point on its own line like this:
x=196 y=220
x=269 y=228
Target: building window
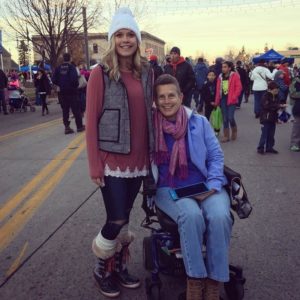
x=95 y=48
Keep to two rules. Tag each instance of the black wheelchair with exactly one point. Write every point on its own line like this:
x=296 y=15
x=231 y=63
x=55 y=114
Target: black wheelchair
x=161 y=254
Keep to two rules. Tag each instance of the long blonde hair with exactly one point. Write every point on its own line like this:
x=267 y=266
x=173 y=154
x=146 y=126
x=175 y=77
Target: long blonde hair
x=111 y=63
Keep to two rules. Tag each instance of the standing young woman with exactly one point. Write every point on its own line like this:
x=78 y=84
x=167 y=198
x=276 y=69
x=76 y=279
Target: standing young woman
x=229 y=88
x=43 y=86
x=119 y=138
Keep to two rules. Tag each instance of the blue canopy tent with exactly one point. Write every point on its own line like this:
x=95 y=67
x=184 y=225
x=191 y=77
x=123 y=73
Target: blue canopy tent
x=270 y=55
x=34 y=68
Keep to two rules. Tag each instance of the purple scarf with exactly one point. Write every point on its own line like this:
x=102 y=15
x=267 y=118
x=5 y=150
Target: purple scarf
x=178 y=159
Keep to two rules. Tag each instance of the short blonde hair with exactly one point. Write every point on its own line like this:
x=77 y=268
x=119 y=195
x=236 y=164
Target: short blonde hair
x=111 y=63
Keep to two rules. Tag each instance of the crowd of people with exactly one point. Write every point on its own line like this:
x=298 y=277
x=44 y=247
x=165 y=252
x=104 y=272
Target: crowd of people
x=68 y=81
x=226 y=84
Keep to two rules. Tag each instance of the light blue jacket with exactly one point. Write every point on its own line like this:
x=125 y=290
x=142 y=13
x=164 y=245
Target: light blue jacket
x=205 y=150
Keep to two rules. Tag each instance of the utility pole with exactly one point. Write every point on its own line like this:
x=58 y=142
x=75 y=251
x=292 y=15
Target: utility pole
x=1 y=50
x=86 y=42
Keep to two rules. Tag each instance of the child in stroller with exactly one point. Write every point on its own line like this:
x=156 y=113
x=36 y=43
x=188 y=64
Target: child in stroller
x=18 y=101
x=187 y=152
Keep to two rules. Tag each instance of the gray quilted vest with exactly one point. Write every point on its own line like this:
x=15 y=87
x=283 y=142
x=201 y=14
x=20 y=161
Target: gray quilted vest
x=114 y=124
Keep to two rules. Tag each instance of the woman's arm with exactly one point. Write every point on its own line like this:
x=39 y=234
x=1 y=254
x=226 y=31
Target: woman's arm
x=269 y=74
x=94 y=103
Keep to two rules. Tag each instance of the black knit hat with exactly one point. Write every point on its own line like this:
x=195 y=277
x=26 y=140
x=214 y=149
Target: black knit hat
x=175 y=50
x=272 y=85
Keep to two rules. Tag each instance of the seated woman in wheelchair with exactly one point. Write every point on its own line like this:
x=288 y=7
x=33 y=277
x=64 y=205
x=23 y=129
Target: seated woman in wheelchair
x=187 y=152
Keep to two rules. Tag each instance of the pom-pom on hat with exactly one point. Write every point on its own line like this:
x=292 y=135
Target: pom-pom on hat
x=153 y=58
x=124 y=19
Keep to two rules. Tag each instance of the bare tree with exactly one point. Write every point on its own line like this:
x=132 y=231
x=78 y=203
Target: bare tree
x=139 y=9
x=57 y=23
x=230 y=55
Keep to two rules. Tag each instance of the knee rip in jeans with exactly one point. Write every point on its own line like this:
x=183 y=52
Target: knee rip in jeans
x=112 y=229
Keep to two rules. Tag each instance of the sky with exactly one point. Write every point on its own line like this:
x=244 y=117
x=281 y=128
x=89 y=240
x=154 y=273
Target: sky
x=212 y=27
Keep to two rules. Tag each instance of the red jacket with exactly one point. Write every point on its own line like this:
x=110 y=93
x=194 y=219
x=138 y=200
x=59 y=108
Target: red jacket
x=286 y=72
x=234 y=89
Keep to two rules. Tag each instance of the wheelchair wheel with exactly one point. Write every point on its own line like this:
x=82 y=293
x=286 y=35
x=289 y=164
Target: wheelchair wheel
x=32 y=108
x=11 y=110
x=147 y=254
x=234 y=289
x=153 y=290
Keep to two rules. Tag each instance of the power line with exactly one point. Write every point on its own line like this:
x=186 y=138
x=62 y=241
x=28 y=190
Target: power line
x=193 y=6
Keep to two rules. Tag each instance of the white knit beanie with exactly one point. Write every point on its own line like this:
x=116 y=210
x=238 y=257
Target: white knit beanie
x=124 y=19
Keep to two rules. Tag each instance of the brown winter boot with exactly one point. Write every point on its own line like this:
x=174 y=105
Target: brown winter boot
x=233 y=133
x=194 y=289
x=211 y=289
x=225 y=137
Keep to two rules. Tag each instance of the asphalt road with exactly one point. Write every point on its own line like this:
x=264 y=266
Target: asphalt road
x=50 y=211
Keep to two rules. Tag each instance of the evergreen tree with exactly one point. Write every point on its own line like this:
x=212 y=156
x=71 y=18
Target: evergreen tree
x=23 y=50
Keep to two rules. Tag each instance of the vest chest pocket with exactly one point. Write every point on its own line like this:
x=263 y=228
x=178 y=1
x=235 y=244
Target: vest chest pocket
x=109 y=125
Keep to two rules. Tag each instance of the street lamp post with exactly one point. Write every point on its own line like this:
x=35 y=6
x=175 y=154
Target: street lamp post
x=86 y=43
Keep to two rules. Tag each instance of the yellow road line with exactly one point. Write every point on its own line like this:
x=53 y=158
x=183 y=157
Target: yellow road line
x=14 y=225
x=12 y=203
x=17 y=261
x=29 y=129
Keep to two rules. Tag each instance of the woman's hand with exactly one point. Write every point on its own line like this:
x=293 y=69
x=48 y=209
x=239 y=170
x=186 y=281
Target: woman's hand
x=204 y=196
x=99 y=181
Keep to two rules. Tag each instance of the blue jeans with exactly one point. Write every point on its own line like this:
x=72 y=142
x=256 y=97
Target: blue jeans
x=267 y=136
x=241 y=97
x=228 y=113
x=210 y=218
x=257 y=101
x=187 y=98
x=38 y=100
x=197 y=98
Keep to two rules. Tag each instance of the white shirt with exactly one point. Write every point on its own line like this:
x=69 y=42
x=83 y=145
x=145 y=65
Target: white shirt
x=259 y=76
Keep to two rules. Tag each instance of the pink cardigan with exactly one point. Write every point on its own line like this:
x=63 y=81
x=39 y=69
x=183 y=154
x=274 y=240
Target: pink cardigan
x=234 y=90
x=100 y=161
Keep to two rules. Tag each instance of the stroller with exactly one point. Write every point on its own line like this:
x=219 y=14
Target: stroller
x=161 y=250
x=18 y=101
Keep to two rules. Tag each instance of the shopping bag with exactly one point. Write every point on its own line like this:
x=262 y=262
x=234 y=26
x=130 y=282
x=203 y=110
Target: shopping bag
x=216 y=119
x=284 y=116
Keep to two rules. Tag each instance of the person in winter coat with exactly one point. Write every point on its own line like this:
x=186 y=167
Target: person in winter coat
x=187 y=152
x=66 y=78
x=228 y=90
x=260 y=76
x=200 y=71
x=284 y=67
x=184 y=73
x=119 y=138
x=295 y=102
x=3 y=87
x=43 y=89
x=217 y=67
x=208 y=93
x=244 y=80
x=283 y=88
x=268 y=117
x=156 y=68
